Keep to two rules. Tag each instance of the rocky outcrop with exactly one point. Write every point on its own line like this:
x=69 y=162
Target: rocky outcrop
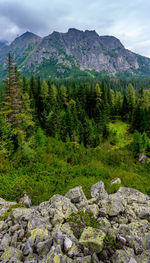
x=107 y=228
x=60 y=53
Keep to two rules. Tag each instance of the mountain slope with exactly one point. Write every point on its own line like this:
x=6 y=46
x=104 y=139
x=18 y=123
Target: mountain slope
x=60 y=54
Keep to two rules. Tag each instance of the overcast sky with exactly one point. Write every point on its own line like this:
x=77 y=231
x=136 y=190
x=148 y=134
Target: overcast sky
x=128 y=20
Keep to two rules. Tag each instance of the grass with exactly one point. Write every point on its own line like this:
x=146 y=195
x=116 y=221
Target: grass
x=59 y=166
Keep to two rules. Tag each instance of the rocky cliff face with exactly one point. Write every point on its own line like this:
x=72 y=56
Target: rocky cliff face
x=62 y=53
x=71 y=229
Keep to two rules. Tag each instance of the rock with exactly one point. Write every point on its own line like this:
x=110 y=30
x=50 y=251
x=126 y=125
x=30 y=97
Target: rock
x=87 y=259
x=19 y=214
x=145 y=257
x=143 y=158
x=56 y=256
x=11 y=254
x=38 y=235
x=15 y=228
x=60 y=209
x=43 y=248
x=142 y=211
x=132 y=260
x=5 y=240
x=44 y=208
x=37 y=221
x=115 y=181
x=67 y=244
x=93 y=239
x=94 y=209
x=112 y=206
x=146 y=241
x=123 y=256
x=131 y=195
x=21 y=234
x=3 y=226
x=76 y=195
x=5 y=205
x=25 y=200
x=98 y=191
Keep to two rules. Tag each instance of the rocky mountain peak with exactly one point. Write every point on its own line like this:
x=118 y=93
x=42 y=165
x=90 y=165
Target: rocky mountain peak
x=65 y=52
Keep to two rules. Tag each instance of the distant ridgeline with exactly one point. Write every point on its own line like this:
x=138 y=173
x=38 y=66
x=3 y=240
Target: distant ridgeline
x=73 y=54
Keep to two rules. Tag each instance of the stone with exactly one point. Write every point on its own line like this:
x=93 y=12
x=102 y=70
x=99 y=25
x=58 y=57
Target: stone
x=131 y=195
x=61 y=208
x=146 y=241
x=93 y=239
x=37 y=221
x=132 y=260
x=5 y=240
x=11 y=254
x=14 y=228
x=112 y=206
x=21 y=234
x=123 y=256
x=142 y=211
x=94 y=209
x=145 y=257
x=56 y=256
x=25 y=200
x=76 y=195
x=98 y=191
x=87 y=259
x=43 y=248
x=38 y=235
x=3 y=226
x=67 y=244
x=19 y=214
x=115 y=181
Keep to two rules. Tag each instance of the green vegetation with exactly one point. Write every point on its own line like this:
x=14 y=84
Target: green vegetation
x=78 y=221
x=58 y=135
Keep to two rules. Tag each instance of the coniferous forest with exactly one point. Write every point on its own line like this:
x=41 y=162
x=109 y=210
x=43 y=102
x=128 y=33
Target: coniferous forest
x=57 y=134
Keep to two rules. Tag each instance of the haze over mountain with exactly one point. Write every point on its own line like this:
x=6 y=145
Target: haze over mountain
x=68 y=54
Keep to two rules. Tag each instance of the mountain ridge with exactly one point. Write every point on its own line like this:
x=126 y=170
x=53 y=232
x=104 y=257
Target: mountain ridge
x=60 y=54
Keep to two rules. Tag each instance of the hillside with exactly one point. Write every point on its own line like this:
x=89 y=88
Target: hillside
x=72 y=54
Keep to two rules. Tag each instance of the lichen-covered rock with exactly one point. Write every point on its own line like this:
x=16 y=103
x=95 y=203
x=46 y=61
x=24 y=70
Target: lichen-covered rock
x=145 y=257
x=38 y=235
x=87 y=259
x=132 y=195
x=44 y=208
x=76 y=195
x=3 y=226
x=60 y=209
x=5 y=205
x=94 y=209
x=98 y=191
x=18 y=214
x=93 y=239
x=112 y=206
x=124 y=256
x=56 y=256
x=142 y=211
x=37 y=221
x=11 y=254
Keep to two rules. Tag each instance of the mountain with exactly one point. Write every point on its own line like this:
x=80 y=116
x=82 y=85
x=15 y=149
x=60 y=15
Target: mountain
x=73 y=53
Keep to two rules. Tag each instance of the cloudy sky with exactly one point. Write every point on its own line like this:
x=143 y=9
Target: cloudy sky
x=128 y=20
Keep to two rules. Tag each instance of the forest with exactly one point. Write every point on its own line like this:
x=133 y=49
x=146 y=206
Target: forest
x=58 y=134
